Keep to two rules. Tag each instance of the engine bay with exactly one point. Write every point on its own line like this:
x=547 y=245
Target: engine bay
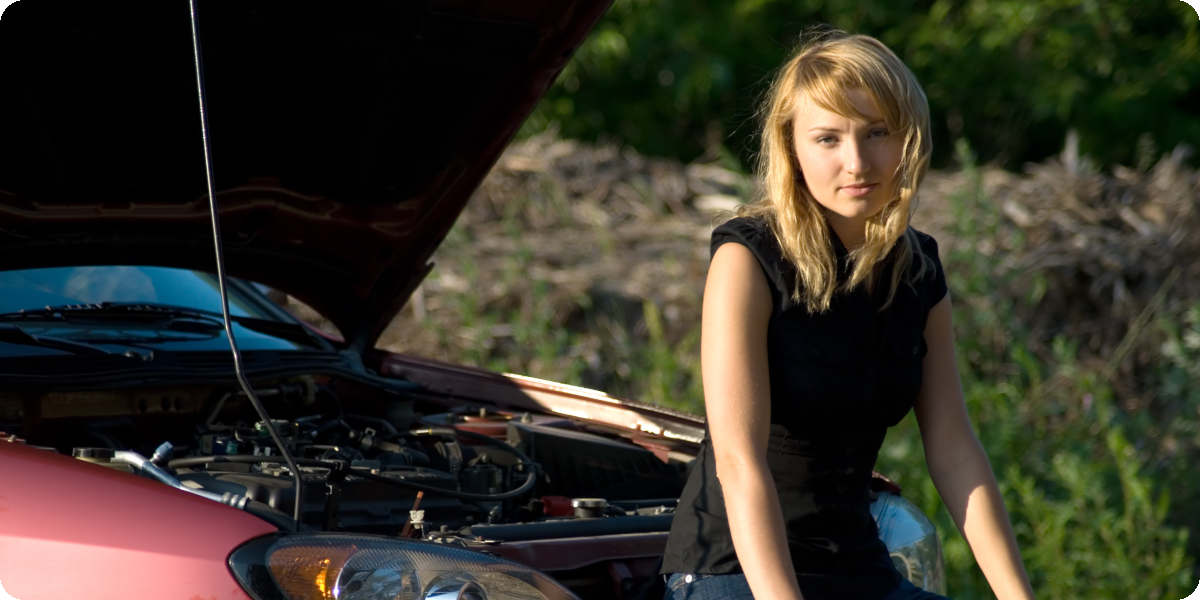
x=370 y=462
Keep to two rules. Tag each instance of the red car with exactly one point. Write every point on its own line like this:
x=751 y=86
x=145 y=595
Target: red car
x=141 y=459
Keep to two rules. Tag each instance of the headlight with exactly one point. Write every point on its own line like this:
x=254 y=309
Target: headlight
x=911 y=540
x=353 y=567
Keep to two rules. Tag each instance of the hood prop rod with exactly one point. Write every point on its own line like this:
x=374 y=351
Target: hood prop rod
x=216 y=230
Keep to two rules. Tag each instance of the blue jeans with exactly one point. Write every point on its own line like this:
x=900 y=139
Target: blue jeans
x=681 y=586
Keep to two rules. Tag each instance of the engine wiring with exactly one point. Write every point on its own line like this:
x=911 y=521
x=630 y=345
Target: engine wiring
x=524 y=464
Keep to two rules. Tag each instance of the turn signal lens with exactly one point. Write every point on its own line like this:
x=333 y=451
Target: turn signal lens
x=302 y=574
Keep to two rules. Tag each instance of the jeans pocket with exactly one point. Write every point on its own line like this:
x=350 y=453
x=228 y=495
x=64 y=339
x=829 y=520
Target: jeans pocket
x=678 y=581
x=674 y=583
x=707 y=586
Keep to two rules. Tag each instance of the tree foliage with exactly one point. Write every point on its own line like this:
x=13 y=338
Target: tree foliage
x=681 y=77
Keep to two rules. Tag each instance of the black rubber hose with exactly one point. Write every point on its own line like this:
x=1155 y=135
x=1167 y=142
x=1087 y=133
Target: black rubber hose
x=199 y=461
x=530 y=480
x=478 y=437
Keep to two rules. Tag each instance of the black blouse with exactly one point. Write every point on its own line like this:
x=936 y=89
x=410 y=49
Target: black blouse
x=839 y=379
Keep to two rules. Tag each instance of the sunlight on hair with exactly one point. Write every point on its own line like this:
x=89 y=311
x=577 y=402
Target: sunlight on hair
x=828 y=64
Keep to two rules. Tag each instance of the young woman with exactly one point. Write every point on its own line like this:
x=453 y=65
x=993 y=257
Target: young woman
x=825 y=320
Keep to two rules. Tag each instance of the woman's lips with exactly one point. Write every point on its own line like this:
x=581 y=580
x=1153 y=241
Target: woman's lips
x=859 y=190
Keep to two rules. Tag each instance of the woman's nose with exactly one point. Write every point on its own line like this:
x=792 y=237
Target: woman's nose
x=855 y=159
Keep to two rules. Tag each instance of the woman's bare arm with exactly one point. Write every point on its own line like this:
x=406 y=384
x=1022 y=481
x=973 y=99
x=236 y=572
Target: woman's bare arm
x=737 y=397
x=960 y=468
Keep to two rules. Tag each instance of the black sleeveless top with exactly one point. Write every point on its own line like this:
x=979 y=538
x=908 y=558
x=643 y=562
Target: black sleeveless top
x=839 y=379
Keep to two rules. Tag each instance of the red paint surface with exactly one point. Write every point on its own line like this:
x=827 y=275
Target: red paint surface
x=69 y=529
x=557 y=506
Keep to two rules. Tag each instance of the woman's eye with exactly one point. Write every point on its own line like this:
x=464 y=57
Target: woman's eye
x=826 y=140
x=879 y=132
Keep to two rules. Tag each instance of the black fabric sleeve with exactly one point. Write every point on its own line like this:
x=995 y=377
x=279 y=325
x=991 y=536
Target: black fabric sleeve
x=933 y=284
x=756 y=235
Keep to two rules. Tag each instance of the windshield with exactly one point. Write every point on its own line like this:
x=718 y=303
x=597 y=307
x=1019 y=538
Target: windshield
x=37 y=288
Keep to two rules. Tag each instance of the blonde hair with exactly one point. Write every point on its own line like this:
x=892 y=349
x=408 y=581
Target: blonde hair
x=827 y=65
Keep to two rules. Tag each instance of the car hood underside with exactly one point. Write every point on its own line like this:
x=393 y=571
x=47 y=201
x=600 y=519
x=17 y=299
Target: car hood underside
x=346 y=138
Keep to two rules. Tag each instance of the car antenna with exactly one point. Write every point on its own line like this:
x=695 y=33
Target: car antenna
x=216 y=230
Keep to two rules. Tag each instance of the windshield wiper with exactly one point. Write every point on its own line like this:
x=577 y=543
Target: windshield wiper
x=179 y=318
x=13 y=334
x=131 y=311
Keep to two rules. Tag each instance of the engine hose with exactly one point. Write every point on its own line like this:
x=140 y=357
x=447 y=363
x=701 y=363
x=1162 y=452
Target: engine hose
x=476 y=437
x=197 y=461
x=140 y=463
x=530 y=480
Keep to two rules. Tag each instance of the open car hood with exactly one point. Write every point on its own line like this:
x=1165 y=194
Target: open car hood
x=346 y=137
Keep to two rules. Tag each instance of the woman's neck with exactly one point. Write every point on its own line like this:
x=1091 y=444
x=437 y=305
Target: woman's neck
x=851 y=232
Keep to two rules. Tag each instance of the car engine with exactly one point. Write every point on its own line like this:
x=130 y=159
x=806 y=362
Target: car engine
x=399 y=464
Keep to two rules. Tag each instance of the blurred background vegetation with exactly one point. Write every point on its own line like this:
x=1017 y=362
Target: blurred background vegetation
x=681 y=78
x=1073 y=268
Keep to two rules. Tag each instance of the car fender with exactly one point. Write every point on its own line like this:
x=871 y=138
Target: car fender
x=70 y=529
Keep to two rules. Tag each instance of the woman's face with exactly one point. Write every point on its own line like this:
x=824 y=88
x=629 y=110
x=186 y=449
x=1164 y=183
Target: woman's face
x=849 y=165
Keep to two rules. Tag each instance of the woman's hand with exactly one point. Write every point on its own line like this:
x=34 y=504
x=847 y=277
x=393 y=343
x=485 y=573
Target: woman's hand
x=737 y=398
x=959 y=467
